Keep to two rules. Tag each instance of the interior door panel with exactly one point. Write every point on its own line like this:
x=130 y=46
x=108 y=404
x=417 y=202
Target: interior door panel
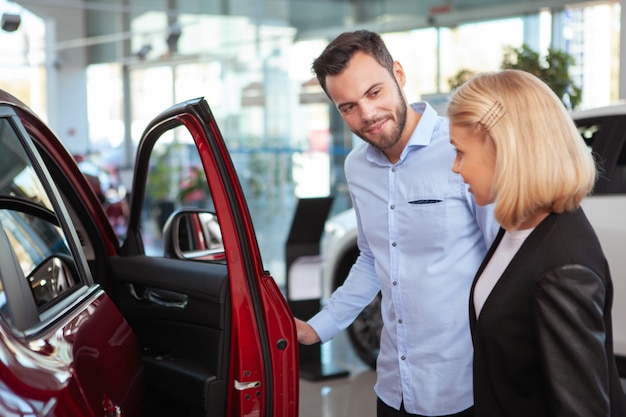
x=180 y=312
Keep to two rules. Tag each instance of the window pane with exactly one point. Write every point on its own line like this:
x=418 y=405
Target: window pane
x=31 y=226
x=176 y=180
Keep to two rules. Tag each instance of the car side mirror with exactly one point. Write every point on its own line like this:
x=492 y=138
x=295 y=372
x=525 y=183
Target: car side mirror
x=52 y=277
x=191 y=233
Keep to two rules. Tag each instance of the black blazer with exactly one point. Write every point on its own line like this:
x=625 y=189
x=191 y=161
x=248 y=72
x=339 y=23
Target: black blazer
x=543 y=344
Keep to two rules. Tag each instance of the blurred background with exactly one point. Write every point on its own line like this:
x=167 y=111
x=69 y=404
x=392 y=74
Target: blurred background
x=98 y=70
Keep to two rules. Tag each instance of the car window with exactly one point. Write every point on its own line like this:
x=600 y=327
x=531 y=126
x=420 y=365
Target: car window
x=176 y=180
x=604 y=136
x=28 y=221
x=617 y=184
x=589 y=132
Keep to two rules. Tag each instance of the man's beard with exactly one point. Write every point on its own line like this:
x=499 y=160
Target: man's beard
x=386 y=141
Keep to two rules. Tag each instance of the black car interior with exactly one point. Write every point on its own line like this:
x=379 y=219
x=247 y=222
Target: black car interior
x=179 y=310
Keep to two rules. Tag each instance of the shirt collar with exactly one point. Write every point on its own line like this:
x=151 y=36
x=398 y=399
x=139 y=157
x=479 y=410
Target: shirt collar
x=420 y=137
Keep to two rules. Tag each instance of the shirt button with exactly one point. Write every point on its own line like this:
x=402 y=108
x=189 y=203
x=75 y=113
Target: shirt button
x=393 y=206
x=403 y=357
x=394 y=244
x=400 y=321
x=395 y=283
x=393 y=170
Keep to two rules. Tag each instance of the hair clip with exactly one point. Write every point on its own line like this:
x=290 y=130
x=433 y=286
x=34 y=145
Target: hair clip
x=493 y=115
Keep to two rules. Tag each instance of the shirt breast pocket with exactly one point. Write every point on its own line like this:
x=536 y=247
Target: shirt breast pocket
x=427 y=219
x=426 y=201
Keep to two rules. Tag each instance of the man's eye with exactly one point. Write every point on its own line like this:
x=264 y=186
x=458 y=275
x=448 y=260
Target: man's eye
x=346 y=109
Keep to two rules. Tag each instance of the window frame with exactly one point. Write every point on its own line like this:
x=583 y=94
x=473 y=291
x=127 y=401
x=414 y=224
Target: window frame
x=25 y=319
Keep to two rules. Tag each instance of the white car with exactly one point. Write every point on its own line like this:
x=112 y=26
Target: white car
x=604 y=130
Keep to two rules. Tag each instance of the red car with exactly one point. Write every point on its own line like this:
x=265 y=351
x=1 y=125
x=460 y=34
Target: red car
x=179 y=321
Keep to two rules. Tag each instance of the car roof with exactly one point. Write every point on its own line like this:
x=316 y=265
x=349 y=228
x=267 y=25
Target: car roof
x=616 y=109
x=6 y=97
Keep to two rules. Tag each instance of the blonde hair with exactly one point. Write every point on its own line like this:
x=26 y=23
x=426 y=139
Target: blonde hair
x=542 y=162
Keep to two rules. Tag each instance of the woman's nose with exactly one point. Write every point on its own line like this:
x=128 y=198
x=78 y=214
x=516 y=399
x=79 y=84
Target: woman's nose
x=456 y=165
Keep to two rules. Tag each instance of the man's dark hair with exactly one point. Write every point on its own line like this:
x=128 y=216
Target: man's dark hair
x=335 y=57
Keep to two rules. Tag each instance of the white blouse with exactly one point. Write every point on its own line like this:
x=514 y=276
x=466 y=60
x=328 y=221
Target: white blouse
x=506 y=250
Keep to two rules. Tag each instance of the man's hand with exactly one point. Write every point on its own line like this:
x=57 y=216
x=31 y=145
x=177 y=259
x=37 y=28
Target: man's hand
x=306 y=334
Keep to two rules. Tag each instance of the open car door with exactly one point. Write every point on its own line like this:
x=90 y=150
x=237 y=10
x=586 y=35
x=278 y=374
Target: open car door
x=181 y=320
x=217 y=336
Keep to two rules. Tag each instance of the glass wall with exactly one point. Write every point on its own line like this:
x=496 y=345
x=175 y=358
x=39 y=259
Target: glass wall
x=284 y=135
x=22 y=58
x=275 y=118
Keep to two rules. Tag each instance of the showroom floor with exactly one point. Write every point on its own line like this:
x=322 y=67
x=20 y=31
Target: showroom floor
x=350 y=396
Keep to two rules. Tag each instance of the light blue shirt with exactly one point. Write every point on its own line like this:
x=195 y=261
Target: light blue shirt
x=422 y=239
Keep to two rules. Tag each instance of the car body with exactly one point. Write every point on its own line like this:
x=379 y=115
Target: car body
x=180 y=321
x=604 y=130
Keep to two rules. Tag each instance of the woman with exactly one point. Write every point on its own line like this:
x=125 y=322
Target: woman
x=540 y=304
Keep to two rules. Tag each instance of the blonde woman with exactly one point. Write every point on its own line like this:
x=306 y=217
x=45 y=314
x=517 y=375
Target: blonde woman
x=540 y=304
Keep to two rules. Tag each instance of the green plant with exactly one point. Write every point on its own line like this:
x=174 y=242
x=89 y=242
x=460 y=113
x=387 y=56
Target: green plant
x=459 y=78
x=553 y=69
x=164 y=174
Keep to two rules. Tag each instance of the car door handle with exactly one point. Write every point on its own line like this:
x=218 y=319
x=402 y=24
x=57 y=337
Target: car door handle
x=163 y=298
x=242 y=386
x=167 y=298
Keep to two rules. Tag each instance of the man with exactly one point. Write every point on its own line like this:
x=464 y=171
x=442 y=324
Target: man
x=420 y=234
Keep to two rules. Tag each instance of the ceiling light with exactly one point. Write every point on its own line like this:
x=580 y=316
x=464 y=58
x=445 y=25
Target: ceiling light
x=11 y=21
